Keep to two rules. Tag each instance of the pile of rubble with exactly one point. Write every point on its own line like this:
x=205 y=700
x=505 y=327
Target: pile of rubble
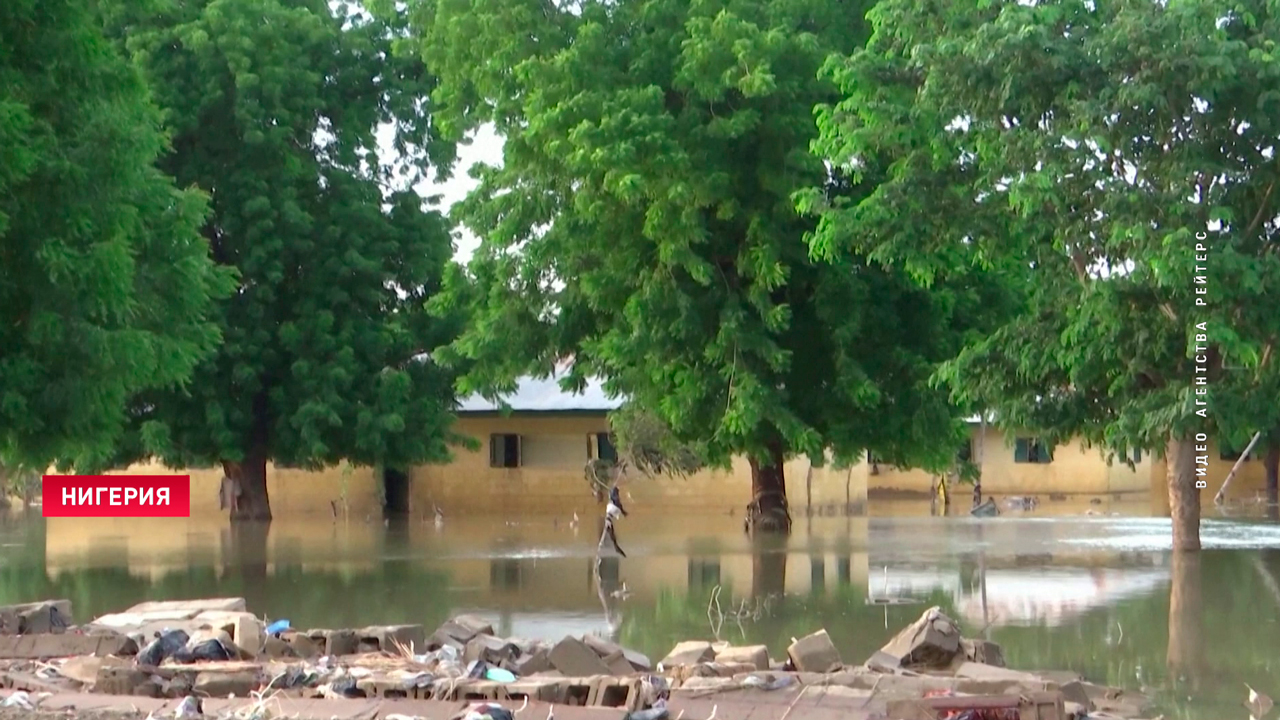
x=216 y=649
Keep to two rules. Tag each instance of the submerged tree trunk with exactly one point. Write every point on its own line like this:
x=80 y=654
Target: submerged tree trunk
x=1272 y=464
x=768 y=510
x=1184 y=496
x=245 y=549
x=1186 y=618
x=768 y=568
x=249 y=479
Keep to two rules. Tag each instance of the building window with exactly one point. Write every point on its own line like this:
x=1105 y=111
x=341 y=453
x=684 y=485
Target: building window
x=504 y=451
x=873 y=459
x=703 y=573
x=605 y=449
x=1137 y=456
x=965 y=452
x=1031 y=450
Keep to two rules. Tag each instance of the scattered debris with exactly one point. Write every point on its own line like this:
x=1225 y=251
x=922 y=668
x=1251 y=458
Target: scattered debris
x=196 y=652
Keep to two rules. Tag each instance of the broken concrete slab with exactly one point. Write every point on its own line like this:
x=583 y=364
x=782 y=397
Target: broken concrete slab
x=756 y=655
x=195 y=607
x=36 y=647
x=932 y=641
x=979 y=671
x=386 y=638
x=46 y=616
x=982 y=651
x=226 y=684
x=1029 y=706
x=815 y=653
x=689 y=652
x=575 y=658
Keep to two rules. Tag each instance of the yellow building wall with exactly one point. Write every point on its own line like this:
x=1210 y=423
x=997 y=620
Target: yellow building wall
x=1076 y=469
x=292 y=492
x=1249 y=483
x=551 y=478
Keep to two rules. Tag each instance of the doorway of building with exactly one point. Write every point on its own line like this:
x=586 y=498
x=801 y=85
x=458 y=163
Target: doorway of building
x=395 y=492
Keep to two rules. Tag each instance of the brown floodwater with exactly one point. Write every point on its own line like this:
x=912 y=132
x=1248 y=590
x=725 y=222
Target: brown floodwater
x=1098 y=593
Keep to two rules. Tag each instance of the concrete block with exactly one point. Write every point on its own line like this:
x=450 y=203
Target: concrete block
x=474 y=624
x=618 y=664
x=689 y=652
x=547 y=690
x=302 y=645
x=386 y=637
x=573 y=657
x=35 y=647
x=535 y=662
x=392 y=689
x=336 y=642
x=490 y=649
x=248 y=633
x=119 y=680
x=755 y=655
x=932 y=641
x=612 y=692
x=577 y=691
x=48 y=616
x=220 y=684
x=480 y=690
x=815 y=653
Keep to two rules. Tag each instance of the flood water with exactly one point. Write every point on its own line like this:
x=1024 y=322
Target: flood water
x=1100 y=594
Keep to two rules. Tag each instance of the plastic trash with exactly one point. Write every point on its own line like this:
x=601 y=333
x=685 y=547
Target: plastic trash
x=278 y=627
x=211 y=650
x=657 y=713
x=19 y=699
x=499 y=675
x=189 y=708
x=164 y=646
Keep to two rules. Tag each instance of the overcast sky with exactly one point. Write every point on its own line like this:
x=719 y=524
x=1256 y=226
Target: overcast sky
x=486 y=148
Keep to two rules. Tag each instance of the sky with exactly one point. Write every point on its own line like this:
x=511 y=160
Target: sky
x=485 y=148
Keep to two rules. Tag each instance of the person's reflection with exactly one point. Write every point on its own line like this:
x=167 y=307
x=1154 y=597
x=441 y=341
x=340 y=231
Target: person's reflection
x=1186 y=619
x=396 y=538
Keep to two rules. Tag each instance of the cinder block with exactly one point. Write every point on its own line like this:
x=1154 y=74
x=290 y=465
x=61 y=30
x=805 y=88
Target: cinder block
x=479 y=690
x=614 y=692
x=535 y=690
x=578 y=691
x=390 y=689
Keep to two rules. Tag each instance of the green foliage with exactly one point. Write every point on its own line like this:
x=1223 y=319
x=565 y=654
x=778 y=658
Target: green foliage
x=642 y=225
x=105 y=282
x=1097 y=140
x=645 y=443
x=274 y=106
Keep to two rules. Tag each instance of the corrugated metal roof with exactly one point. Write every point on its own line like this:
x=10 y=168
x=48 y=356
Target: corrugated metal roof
x=544 y=395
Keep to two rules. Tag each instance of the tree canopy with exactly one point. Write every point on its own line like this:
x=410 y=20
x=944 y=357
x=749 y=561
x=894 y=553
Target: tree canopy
x=1095 y=144
x=275 y=107
x=642 y=224
x=106 y=288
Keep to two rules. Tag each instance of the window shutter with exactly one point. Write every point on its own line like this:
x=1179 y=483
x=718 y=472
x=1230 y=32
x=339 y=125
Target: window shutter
x=1021 y=450
x=495 y=451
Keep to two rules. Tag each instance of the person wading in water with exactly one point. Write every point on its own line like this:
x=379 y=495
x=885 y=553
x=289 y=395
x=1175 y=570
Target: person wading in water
x=229 y=492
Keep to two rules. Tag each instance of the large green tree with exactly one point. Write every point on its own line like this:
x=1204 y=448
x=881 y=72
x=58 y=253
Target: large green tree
x=275 y=106
x=642 y=225
x=1124 y=153
x=106 y=287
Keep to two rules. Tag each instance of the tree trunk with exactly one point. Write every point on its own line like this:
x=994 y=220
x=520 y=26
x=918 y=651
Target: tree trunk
x=250 y=478
x=768 y=510
x=768 y=568
x=1184 y=496
x=1272 y=464
x=1186 y=618
x=244 y=547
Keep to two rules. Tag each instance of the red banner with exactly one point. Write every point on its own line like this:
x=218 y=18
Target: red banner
x=117 y=495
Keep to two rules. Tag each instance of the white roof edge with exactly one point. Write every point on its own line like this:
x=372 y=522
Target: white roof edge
x=545 y=395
